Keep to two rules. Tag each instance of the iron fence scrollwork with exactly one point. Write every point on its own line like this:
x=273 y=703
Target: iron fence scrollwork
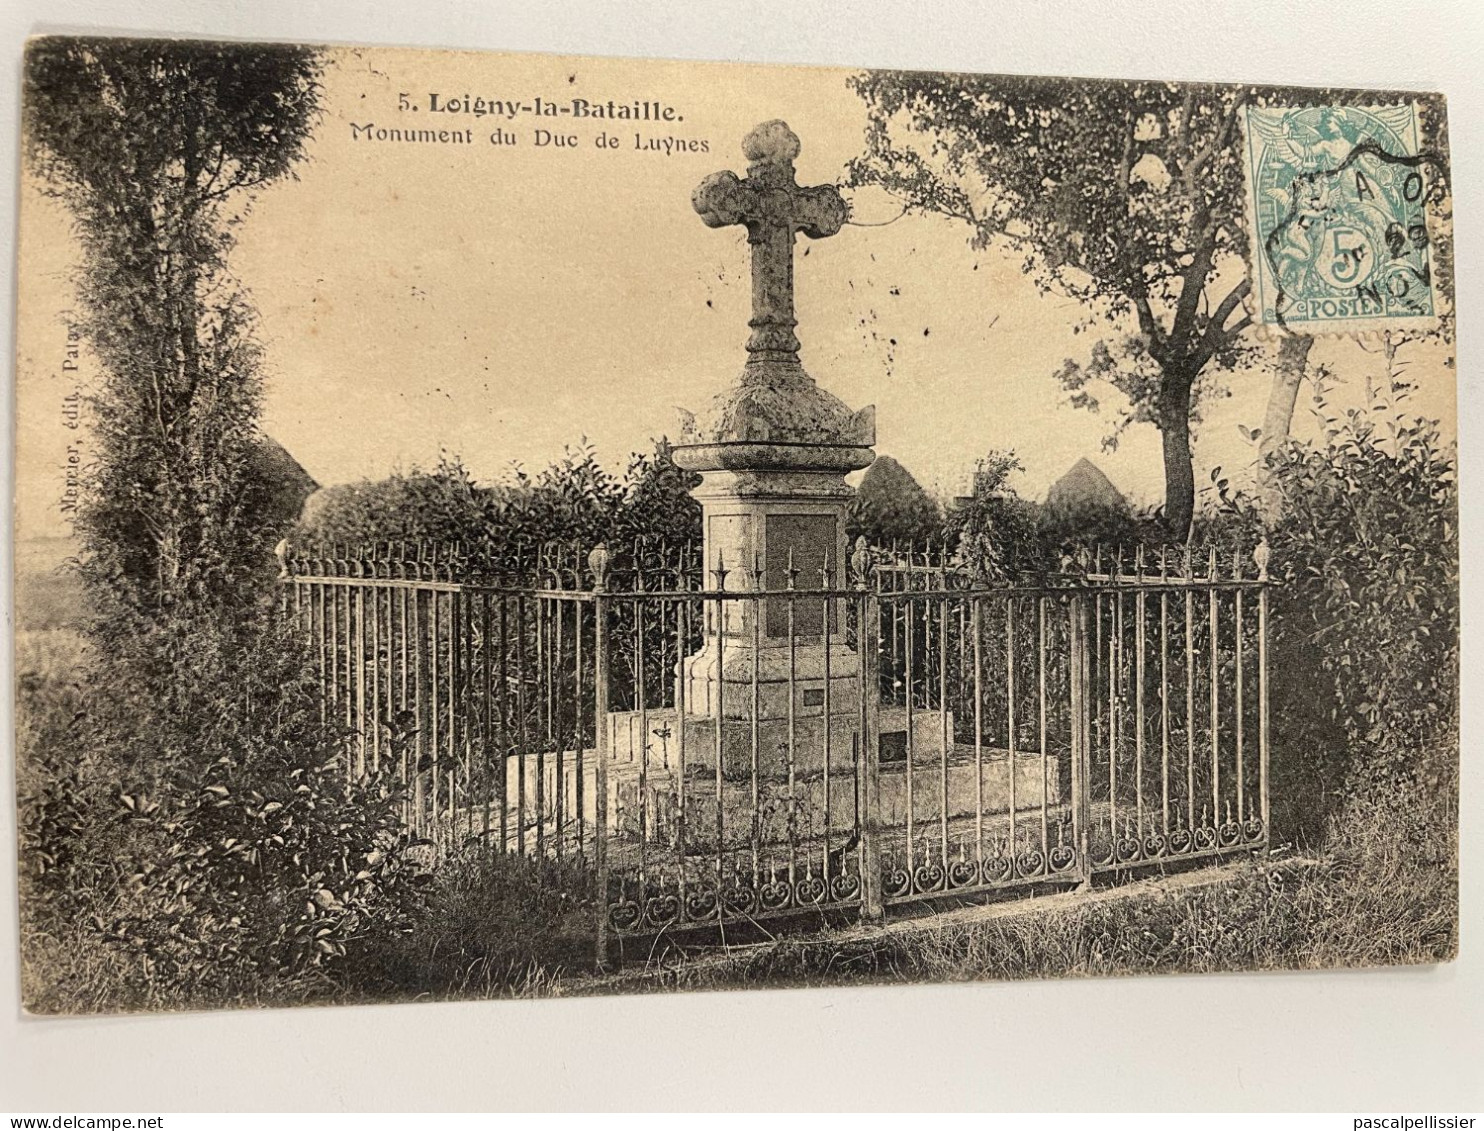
x=907 y=730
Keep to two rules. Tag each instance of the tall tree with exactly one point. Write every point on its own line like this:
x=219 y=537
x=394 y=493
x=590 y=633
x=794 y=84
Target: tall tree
x=1126 y=196
x=157 y=148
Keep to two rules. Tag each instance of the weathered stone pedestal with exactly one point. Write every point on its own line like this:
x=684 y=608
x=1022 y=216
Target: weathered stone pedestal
x=784 y=528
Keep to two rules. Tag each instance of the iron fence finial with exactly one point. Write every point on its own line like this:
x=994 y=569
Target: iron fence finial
x=860 y=562
x=597 y=562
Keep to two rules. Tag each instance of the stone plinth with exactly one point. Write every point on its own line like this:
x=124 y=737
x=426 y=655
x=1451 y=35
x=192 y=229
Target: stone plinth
x=629 y=731
x=657 y=790
x=737 y=739
x=781 y=529
x=772 y=528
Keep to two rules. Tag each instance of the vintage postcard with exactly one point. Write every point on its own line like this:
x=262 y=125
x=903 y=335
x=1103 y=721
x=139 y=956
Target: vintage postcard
x=497 y=525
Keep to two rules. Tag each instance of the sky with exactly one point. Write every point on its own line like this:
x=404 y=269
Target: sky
x=499 y=302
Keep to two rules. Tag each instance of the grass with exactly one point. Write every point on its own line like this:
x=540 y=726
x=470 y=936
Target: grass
x=1293 y=918
x=1383 y=891
x=492 y=927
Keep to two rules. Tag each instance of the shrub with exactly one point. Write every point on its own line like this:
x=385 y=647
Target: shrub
x=212 y=861
x=1003 y=536
x=1365 y=616
x=52 y=769
x=575 y=501
x=442 y=504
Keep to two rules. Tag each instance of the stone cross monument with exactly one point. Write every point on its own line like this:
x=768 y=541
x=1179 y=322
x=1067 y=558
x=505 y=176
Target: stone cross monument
x=773 y=451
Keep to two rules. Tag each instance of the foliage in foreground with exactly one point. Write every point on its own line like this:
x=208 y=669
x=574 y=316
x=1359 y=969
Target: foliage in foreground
x=1365 y=616
x=492 y=925
x=213 y=858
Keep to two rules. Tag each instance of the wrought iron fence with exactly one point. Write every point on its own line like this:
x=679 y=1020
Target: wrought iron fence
x=718 y=751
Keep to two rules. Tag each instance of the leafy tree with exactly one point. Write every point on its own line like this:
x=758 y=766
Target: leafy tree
x=191 y=814
x=1125 y=196
x=993 y=531
x=157 y=147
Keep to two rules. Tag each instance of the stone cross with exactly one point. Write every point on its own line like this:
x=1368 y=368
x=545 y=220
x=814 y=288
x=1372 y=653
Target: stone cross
x=772 y=207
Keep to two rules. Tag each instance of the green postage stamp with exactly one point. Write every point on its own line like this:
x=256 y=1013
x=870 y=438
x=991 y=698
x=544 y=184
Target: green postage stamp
x=1336 y=199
